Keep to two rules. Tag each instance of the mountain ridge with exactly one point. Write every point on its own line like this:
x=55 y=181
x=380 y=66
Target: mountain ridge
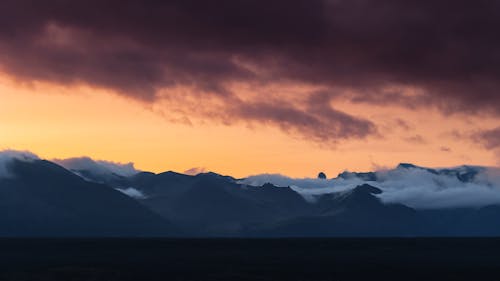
x=41 y=198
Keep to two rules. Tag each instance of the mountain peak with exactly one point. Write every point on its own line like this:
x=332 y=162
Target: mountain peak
x=407 y=166
x=366 y=188
x=365 y=176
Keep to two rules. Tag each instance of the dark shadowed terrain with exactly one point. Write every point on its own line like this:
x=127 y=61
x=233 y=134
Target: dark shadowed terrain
x=250 y=259
x=42 y=199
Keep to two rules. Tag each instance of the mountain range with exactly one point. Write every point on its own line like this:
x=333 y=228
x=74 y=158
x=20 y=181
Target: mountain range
x=42 y=198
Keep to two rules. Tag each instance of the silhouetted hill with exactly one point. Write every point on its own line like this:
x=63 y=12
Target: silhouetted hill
x=40 y=198
x=210 y=204
x=352 y=213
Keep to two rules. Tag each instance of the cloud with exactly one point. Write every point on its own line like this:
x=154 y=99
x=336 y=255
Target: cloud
x=7 y=156
x=416 y=187
x=195 y=170
x=490 y=139
x=422 y=189
x=410 y=53
x=445 y=149
x=97 y=167
x=415 y=139
x=318 y=121
x=132 y=192
x=309 y=188
x=403 y=124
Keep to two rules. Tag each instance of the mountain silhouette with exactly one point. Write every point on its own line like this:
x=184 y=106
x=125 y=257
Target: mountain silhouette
x=357 y=212
x=211 y=204
x=40 y=198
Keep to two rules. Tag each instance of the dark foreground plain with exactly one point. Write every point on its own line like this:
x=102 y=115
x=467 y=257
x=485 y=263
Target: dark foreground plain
x=250 y=259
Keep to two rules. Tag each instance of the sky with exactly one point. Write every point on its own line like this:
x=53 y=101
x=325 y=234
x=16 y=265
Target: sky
x=247 y=87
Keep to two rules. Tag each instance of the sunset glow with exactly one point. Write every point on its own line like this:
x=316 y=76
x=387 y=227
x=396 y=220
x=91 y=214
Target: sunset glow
x=69 y=121
x=310 y=86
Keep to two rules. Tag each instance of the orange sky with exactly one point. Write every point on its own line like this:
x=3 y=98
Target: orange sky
x=59 y=122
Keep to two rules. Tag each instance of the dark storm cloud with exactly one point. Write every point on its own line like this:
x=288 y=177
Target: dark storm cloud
x=448 y=50
x=318 y=120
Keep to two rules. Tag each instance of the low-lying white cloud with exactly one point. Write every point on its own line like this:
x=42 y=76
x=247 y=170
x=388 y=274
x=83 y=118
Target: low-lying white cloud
x=6 y=157
x=132 y=192
x=422 y=189
x=415 y=187
x=309 y=188
x=97 y=167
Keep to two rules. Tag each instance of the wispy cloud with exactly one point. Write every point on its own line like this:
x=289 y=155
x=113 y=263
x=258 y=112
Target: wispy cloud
x=132 y=192
x=490 y=139
x=7 y=156
x=195 y=170
x=414 y=187
x=98 y=167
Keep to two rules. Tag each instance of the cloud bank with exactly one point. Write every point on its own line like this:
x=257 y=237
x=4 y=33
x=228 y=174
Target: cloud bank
x=416 y=187
x=97 y=167
x=411 y=53
x=7 y=156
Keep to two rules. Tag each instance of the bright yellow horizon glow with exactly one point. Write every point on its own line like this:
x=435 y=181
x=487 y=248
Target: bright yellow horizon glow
x=61 y=122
